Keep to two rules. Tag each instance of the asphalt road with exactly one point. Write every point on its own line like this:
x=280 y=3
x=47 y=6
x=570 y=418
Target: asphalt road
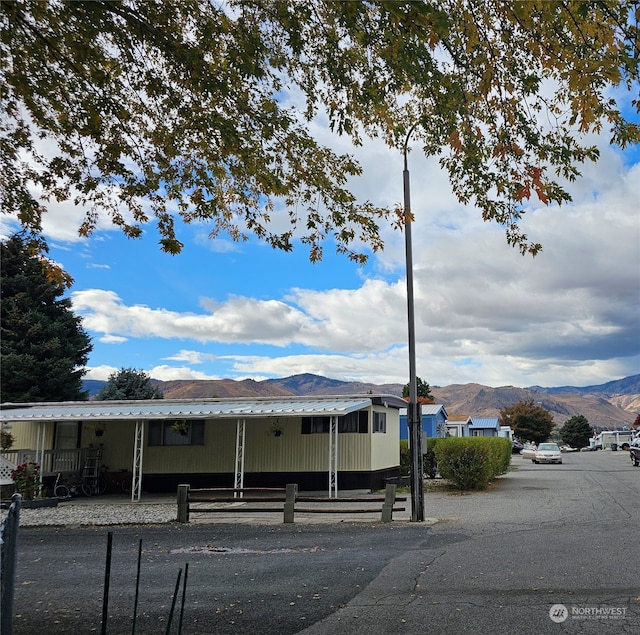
x=499 y=561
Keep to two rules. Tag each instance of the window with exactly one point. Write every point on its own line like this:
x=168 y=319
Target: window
x=357 y=422
x=379 y=422
x=66 y=435
x=315 y=425
x=354 y=422
x=160 y=433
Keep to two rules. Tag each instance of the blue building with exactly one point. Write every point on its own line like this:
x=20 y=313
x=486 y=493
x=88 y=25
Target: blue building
x=485 y=427
x=434 y=421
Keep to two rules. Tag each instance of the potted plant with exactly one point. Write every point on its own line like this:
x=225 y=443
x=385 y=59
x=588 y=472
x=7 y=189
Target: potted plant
x=6 y=440
x=181 y=426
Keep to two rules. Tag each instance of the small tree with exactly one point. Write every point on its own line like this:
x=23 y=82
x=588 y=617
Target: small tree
x=129 y=383
x=424 y=391
x=528 y=421
x=576 y=431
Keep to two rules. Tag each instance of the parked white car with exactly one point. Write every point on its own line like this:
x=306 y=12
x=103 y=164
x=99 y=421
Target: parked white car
x=548 y=453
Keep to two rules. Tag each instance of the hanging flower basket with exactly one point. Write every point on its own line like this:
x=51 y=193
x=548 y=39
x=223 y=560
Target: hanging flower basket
x=276 y=428
x=180 y=426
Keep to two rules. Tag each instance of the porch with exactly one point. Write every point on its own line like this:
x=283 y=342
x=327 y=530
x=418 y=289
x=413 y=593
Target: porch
x=52 y=462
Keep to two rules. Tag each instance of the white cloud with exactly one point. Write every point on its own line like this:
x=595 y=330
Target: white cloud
x=112 y=339
x=171 y=373
x=324 y=319
x=191 y=357
x=100 y=373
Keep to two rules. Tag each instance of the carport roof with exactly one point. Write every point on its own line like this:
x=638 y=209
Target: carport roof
x=195 y=408
x=487 y=422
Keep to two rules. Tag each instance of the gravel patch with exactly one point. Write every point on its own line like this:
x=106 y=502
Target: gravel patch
x=76 y=515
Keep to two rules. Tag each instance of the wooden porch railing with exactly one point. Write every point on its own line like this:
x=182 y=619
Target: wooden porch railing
x=53 y=461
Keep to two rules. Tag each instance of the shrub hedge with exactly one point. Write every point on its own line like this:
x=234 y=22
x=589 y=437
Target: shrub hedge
x=468 y=462
x=471 y=462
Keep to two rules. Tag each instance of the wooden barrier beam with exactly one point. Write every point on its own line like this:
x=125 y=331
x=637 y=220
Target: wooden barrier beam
x=188 y=499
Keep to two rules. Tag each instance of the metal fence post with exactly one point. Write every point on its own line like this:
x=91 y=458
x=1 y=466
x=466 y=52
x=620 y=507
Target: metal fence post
x=183 y=503
x=290 y=502
x=8 y=560
x=389 y=502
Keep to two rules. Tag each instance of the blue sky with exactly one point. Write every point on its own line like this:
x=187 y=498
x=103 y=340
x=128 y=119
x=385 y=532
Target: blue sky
x=484 y=313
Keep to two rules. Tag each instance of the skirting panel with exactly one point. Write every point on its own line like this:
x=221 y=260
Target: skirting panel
x=306 y=481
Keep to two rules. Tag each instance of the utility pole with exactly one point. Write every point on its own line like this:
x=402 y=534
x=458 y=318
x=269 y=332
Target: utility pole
x=414 y=417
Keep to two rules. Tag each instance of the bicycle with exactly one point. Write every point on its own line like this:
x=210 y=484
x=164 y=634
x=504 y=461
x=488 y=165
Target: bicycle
x=93 y=485
x=67 y=486
x=117 y=482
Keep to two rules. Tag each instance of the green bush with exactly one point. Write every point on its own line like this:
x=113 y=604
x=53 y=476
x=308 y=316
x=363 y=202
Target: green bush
x=429 y=466
x=429 y=463
x=472 y=462
x=501 y=450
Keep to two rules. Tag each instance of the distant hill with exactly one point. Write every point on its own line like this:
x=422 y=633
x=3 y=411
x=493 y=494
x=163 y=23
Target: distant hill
x=92 y=386
x=483 y=401
x=611 y=405
x=626 y=386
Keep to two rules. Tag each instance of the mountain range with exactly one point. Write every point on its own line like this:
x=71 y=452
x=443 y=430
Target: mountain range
x=606 y=406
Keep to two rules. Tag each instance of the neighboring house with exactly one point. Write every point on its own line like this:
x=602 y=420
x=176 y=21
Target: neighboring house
x=458 y=426
x=506 y=432
x=436 y=423
x=485 y=427
x=434 y=420
x=316 y=442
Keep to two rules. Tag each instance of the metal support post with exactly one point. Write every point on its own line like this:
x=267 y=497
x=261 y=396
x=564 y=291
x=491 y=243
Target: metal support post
x=333 y=458
x=238 y=482
x=413 y=409
x=138 y=450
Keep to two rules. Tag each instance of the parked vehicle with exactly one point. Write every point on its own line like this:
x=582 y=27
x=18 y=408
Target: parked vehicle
x=612 y=439
x=634 y=449
x=516 y=446
x=548 y=453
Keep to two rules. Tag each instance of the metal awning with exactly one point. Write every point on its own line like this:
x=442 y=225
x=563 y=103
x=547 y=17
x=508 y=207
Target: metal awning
x=194 y=409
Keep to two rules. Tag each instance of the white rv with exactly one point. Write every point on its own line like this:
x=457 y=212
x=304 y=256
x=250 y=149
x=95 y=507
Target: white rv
x=612 y=439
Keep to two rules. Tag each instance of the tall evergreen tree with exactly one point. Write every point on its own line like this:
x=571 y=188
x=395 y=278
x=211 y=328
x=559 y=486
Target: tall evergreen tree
x=424 y=390
x=576 y=431
x=43 y=346
x=129 y=383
